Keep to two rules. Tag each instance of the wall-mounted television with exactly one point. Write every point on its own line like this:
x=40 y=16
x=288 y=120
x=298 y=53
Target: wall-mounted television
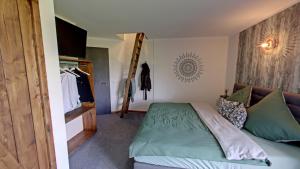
x=71 y=40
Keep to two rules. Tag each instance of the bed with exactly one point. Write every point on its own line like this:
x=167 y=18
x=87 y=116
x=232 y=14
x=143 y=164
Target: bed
x=174 y=136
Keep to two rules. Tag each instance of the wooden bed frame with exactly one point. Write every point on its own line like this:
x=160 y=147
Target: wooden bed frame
x=292 y=99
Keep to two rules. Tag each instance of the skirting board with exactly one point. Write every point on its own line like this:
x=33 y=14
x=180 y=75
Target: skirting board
x=130 y=111
x=79 y=139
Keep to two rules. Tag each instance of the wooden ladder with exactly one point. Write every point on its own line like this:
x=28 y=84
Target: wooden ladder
x=132 y=70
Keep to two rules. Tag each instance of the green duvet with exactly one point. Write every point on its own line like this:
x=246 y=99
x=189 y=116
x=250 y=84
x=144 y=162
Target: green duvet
x=175 y=130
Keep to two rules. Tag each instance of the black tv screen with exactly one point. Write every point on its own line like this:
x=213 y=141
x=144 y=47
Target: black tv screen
x=71 y=40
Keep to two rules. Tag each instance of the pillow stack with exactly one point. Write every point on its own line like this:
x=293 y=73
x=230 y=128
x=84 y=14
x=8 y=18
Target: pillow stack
x=270 y=118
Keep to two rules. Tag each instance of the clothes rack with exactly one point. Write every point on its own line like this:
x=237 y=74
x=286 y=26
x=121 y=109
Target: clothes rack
x=87 y=110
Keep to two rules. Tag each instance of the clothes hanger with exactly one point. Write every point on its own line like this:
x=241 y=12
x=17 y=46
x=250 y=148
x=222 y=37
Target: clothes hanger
x=62 y=71
x=68 y=71
x=81 y=71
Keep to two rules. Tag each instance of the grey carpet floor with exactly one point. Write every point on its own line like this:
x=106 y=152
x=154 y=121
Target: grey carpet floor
x=108 y=149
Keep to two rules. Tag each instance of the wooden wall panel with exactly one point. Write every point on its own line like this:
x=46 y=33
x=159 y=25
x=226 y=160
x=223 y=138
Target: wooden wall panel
x=7 y=160
x=6 y=128
x=90 y=120
x=39 y=48
x=281 y=66
x=28 y=40
x=26 y=139
x=17 y=85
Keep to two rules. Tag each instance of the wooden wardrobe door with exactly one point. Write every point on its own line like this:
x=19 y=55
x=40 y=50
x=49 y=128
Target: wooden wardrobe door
x=25 y=123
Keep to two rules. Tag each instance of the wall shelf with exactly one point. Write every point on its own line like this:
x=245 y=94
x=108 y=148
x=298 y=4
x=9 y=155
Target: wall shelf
x=74 y=59
x=89 y=125
x=71 y=115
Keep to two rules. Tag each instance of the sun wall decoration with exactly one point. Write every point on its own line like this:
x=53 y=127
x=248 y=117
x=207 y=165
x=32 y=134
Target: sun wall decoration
x=188 y=67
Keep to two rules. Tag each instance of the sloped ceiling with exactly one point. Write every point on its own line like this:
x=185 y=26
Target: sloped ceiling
x=168 y=18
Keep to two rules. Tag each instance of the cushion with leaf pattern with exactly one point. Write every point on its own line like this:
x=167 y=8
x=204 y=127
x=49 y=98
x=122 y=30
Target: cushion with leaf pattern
x=234 y=112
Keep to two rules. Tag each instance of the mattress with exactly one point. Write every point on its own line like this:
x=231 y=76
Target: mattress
x=282 y=156
x=173 y=135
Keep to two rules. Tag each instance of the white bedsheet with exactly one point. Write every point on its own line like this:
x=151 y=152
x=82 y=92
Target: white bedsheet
x=281 y=155
x=235 y=144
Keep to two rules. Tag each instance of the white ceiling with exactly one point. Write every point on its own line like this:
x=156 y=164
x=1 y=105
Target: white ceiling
x=168 y=18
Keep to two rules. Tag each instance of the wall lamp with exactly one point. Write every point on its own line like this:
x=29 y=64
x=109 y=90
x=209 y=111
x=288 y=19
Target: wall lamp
x=269 y=43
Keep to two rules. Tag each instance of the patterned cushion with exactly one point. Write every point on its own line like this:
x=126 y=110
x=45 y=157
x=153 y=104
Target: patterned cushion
x=234 y=112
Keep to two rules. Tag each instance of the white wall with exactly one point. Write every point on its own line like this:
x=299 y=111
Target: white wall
x=74 y=127
x=212 y=50
x=120 y=52
x=54 y=85
x=160 y=55
x=231 y=61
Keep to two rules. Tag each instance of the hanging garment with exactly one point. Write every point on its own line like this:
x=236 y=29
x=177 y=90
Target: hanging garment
x=132 y=89
x=84 y=87
x=145 y=79
x=70 y=92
